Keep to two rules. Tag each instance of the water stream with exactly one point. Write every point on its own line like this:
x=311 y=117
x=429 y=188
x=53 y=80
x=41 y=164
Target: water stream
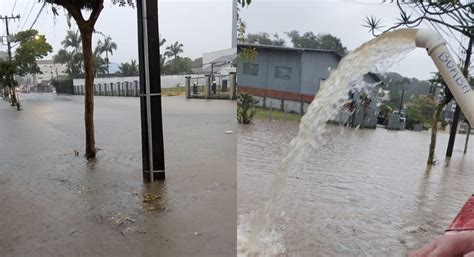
x=255 y=234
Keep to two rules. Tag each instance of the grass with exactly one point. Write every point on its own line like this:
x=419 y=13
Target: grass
x=173 y=91
x=262 y=113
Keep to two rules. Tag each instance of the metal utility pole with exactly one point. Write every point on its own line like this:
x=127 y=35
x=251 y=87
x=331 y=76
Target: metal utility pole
x=150 y=91
x=6 y=18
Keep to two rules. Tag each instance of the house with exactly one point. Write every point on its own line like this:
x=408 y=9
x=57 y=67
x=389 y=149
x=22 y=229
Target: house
x=288 y=78
x=50 y=70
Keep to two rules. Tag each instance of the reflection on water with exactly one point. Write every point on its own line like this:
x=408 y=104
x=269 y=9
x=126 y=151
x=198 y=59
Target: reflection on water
x=365 y=192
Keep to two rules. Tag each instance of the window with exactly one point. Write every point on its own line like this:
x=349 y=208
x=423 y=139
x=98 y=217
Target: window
x=282 y=73
x=250 y=69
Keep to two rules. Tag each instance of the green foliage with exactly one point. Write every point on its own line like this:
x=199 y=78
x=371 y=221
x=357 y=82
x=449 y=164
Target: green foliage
x=420 y=111
x=72 y=41
x=174 y=50
x=179 y=66
x=128 y=69
x=73 y=61
x=320 y=41
x=245 y=108
x=244 y=2
x=263 y=38
x=64 y=86
x=32 y=47
x=7 y=69
x=394 y=83
x=107 y=46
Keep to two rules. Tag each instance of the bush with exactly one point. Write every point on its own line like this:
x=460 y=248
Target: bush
x=64 y=86
x=245 y=108
x=420 y=112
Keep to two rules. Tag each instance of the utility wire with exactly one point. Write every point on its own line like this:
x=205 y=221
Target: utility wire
x=14 y=5
x=29 y=13
x=37 y=15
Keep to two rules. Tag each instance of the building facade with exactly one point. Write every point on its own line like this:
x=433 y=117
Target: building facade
x=286 y=78
x=50 y=70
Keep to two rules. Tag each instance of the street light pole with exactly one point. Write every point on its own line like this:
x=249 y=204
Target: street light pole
x=150 y=91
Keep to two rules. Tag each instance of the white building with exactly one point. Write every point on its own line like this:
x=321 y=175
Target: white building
x=50 y=70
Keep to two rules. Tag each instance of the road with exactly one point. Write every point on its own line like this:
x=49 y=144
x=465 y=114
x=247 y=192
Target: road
x=54 y=203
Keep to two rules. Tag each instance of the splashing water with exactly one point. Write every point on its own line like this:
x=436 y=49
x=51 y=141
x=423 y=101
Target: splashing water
x=255 y=235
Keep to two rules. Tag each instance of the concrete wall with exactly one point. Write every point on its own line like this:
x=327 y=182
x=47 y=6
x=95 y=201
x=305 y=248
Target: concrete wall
x=167 y=81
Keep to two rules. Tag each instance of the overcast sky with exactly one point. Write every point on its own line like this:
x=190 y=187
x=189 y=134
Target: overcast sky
x=201 y=25
x=341 y=18
x=205 y=25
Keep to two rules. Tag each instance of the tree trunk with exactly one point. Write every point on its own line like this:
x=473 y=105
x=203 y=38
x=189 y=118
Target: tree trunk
x=12 y=95
x=86 y=34
x=434 y=130
x=467 y=137
x=107 y=61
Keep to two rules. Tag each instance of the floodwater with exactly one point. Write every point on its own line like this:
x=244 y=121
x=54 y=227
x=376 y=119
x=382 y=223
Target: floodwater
x=362 y=193
x=54 y=203
x=255 y=236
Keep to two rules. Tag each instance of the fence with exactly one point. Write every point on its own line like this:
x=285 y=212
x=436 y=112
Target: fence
x=206 y=87
x=127 y=88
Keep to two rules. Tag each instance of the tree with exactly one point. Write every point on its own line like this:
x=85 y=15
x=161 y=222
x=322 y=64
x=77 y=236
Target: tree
x=76 y=9
x=420 y=111
x=32 y=47
x=245 y=108
x=162 y=42
x=320 y=41
x=174 y=50
x=73 y=40
x=128 y=69
x=452 y=17
x=263 y=38
x=244 y=2
x=100 y=65
x=179 y=66
x=72 y=60
x=108 y=46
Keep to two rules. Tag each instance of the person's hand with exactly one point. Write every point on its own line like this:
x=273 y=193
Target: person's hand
x=452 y=244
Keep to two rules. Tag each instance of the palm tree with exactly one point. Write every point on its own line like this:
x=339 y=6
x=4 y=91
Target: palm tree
x=162 y=41
x=174 y=50
x=73 y=40
x=99 y=62
x=108 y=46
x=129 y=69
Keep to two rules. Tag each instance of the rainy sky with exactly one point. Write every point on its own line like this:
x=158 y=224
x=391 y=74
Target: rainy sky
x=205 y=25
x=341 y=18
x=202 y=26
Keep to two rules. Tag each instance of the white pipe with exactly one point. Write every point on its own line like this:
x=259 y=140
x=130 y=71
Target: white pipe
x=449 y=70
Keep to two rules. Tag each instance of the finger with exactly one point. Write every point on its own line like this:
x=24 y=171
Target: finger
x=471 y=254
x=426 y=249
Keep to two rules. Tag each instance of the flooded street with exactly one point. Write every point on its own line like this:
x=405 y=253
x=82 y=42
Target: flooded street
x=363 y=193
x=54 y=203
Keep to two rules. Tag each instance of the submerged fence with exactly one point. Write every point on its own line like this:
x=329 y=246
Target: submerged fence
x=127 y=88
x=211 y=87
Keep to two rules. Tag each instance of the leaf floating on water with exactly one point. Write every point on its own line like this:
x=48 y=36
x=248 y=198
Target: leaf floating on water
x=151 y=208
x=229 y=132
x=197 y=233
x=149 y=198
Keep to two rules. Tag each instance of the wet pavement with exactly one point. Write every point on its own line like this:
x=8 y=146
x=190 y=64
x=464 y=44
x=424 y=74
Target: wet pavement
x=365 y=193
x=54 y=203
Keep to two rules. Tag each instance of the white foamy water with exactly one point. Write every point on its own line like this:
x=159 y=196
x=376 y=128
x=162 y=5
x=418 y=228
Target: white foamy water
x=256 y=236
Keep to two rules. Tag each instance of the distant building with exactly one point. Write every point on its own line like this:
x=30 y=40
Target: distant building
x=217 y=62
x=50 y=70
x=288 y=78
